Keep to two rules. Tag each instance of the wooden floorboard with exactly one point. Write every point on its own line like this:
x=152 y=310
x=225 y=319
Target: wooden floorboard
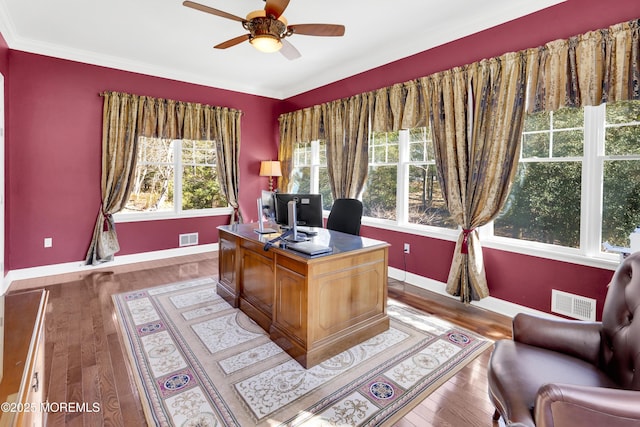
x=86 y=362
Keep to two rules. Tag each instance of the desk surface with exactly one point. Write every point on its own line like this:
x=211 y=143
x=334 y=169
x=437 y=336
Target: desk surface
x=339 y=242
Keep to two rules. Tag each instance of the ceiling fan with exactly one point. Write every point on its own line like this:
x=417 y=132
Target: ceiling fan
x=268 y=29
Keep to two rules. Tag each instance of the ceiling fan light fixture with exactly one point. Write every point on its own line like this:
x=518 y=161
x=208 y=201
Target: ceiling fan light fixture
x=266 y=43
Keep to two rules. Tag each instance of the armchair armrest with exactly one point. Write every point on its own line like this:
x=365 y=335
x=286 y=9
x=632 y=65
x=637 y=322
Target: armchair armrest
x=573 y=337
x=560 y=405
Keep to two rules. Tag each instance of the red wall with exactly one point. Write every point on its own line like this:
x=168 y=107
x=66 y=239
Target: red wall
x=520 y=279
x=4 y=69
x=54 y=154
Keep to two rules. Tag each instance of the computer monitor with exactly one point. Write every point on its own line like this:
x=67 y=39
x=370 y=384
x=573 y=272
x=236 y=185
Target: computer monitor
x=308 y=209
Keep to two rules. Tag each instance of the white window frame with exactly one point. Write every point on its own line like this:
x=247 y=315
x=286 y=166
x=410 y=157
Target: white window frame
x=177 y=212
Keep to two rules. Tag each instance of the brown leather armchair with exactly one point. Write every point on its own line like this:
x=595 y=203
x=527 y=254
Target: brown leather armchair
x=573 y=373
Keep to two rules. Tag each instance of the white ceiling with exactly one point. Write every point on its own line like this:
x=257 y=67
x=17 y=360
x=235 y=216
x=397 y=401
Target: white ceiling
x=163 y=38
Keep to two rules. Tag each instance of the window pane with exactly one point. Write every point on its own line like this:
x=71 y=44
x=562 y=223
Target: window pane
x=622 y=132
x=621 y=201
x=325 y=188
x=154 y=177
x=568 y=143
x=420 y=145
x=623 y=112
x=426 y=203
x=556 y=134
x=323 y=153
x=566 y=118
x=379 y=197
x=535 y=145
x=301 y=180
x=537 y=122
x=622 y=140
x=153 y=189
x=200 y=188
x=302 y=155
x=544 y=204
x=383 y=147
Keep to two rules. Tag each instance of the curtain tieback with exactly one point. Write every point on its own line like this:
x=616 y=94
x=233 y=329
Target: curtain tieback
x=464 y=249
x=107 y=219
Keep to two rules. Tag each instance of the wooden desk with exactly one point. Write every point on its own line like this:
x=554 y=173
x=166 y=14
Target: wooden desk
x=312 y=307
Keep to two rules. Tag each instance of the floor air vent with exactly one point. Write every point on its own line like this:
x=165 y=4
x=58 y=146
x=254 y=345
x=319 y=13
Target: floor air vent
x=189 y=239
x=571 y=305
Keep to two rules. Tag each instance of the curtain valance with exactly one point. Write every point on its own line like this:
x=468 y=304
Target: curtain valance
x=588 y=69
x=167 y=118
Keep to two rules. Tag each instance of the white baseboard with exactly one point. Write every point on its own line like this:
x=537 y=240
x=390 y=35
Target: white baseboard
x=79 y=266
x=490 y=303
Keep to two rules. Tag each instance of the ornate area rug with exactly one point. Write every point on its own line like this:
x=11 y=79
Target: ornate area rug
x=197 y=361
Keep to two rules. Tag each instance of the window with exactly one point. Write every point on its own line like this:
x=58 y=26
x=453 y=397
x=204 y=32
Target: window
x=621 y=172
x=402 y=186
x=544 y=202
x=577 y=183
x=175 y=177
x=379 y=196
x=425 y=201
x=309 y=173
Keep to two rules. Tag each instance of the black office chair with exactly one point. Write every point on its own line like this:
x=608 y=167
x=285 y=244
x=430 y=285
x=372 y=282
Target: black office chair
x=345 y=216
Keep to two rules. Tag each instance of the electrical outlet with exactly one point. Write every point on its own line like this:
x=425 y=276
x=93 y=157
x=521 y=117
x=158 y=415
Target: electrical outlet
x=48 y=242
x=407 y=248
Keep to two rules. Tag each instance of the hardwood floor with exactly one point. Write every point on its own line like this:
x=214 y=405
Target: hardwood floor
x=86 y=363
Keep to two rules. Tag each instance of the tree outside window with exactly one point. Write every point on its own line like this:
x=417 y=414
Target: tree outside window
x=175 y=176
x=621 y=172
x=544 y=203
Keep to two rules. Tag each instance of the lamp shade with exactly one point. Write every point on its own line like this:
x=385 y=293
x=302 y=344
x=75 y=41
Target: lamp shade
x=270 y=168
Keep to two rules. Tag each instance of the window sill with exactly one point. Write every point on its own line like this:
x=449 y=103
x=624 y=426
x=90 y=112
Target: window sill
x=603 y=261
x=139 y=217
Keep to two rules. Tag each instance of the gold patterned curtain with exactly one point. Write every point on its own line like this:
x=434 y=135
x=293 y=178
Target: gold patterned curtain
x=476 y=115
x=588 y=69
x=296 y=127
x=125 y=117
x=227 y=137
x=119 y=141
x=400 y=106
x=346 y=130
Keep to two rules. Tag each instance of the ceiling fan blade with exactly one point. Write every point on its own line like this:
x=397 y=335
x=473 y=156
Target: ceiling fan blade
x=289 y=51
x=276 y=7
x=329 y=30
x=234 y=41
x=212 y=11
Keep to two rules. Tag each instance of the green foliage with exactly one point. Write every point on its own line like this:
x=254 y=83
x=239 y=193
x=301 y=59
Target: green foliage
x=201 y=189
x=379 y=197
x=544 y=204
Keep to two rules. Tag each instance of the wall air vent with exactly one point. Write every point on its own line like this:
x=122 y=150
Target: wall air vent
x=571 y=305
x=190 y=239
